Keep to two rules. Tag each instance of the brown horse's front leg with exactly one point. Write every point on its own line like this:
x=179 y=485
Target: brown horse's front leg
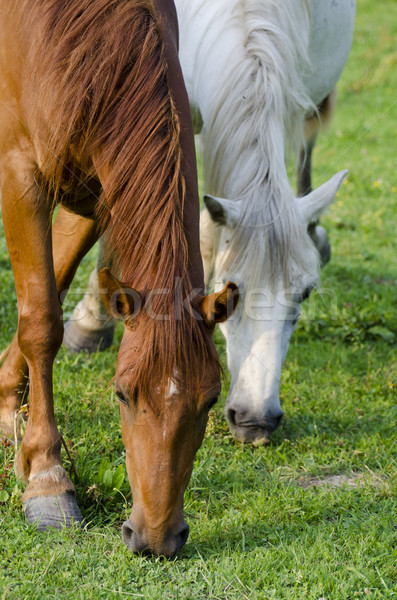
x=49 y=496
x=73 y=236
x=27 y=225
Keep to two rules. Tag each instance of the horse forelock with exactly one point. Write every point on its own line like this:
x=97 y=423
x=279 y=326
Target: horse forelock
x=269 y=244
x=113 y=113
x=184 y=354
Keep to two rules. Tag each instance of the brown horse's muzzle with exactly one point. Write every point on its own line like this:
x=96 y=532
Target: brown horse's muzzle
x=143 y=543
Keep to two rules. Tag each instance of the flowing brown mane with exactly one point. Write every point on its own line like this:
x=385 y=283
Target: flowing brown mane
x=102 y=67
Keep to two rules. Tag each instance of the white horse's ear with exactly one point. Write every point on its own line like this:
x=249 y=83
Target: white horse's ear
x=223 y=211
x=316 y=203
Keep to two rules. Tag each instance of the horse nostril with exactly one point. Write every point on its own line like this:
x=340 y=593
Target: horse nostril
x=278 y=419
x=175 y=542
x=127 y=532
x=182 y=536
x=231 y=416
x=130 y=537
x=274 y=421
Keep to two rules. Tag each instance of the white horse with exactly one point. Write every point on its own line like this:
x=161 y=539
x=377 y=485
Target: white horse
x=255 y=70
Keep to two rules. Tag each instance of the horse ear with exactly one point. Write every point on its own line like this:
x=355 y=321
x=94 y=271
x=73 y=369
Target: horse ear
x=120 y=300
x=223 y=211
x=313 y=205
x=218 y=307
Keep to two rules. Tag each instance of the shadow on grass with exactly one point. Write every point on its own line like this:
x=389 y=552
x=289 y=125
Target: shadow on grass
x=332 y=428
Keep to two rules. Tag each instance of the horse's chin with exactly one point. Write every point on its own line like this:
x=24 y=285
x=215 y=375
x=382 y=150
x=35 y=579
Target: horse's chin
x=257 y=436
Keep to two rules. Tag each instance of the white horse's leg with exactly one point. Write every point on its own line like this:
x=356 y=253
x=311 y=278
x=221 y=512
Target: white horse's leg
x=208 y=243
x=90 y=327
x=313 y=125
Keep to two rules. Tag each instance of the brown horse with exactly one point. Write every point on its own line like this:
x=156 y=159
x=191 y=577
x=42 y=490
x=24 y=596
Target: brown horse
x=94 y=120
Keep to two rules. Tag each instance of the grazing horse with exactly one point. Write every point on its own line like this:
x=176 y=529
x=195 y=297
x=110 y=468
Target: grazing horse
x=95 y=129
x=260 y=76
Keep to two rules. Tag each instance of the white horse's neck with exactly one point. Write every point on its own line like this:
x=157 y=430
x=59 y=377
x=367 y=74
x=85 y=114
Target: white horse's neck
x=242 y=64
x=246 y=64
x=250 y=67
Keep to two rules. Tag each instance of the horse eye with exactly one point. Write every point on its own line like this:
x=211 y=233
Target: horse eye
x=121 y=397
x=306 y=293
x=211 y=402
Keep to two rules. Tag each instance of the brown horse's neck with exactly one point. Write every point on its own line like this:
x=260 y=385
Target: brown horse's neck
x=128 y=110
x=173 y=239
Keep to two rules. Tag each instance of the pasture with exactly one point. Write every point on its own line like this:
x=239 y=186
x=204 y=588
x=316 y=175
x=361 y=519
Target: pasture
x=311 y=515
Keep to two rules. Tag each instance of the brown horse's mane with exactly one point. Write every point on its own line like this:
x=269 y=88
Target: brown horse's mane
x=102 y=73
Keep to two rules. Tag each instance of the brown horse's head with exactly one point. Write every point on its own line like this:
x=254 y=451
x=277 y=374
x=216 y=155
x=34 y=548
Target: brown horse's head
x=164 y=401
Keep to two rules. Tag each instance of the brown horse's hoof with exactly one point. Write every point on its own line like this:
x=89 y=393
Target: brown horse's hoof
x=78 y=339
x=53 y=511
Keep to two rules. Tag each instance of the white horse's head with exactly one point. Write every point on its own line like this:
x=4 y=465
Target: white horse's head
x=258 y=334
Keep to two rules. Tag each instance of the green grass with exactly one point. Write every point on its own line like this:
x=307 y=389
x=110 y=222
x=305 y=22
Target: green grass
x=258 y=529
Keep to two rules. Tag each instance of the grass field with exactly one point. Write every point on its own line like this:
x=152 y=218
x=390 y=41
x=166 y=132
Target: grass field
x=313 y=515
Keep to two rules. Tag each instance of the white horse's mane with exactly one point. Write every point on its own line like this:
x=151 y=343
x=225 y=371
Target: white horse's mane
x=256 y=121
